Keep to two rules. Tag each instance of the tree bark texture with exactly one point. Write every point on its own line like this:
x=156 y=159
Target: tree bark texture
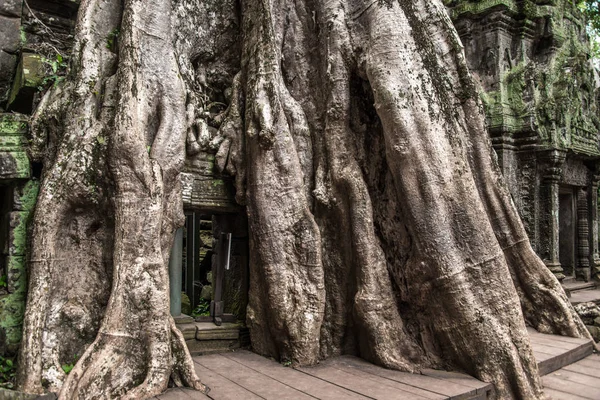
x=103 y=227
x=380 y=223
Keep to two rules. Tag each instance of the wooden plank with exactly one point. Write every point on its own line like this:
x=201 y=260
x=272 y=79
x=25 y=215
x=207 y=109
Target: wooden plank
x=539 y=357
x=582 y=369
x=576 y=378
x=343 y=365
x=564 y=386
x=366 y=387
x=249 y=379
x=552 y=342
x=435 y=385
x=461 y=379
x=181 y=394
x=534 y=335
x=289 y=376
x=192 y=394
x=557 y=395
x=554 y=351
x=222 y=388
x=558 y=361
x=592 y=362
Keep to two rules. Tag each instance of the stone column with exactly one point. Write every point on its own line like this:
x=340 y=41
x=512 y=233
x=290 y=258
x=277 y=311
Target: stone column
x=593 y=215
x=176 y=273
x=549 y=219
x=583 y=243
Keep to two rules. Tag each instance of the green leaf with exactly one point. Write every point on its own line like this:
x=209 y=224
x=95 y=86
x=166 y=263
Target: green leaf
x=67 y=368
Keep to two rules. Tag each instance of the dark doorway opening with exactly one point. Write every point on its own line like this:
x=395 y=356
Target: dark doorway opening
x=567 y=231
x=215 y=266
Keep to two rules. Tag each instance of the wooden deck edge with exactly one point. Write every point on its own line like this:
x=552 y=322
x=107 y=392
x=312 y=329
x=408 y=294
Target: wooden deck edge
x=568 y=357
x=483 y=393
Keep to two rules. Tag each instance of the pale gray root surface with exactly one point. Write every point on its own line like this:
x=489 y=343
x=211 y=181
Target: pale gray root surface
x=109 y=204
x=423 y=260
x=380 y=224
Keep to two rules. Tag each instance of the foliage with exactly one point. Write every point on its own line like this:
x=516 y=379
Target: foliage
x=111 y=39
x=3 y=281
x=69 y=367
x=7 y=372
x=57 y=67
x=202 y=309
x=591 y=10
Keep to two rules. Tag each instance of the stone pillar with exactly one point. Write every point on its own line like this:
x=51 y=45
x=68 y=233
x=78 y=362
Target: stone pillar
x=583 y=243
x=593 y=216
x=176 y=273
x=549 y=209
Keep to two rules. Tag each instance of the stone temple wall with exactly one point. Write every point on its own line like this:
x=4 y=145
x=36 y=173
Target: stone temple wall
x=539 y=88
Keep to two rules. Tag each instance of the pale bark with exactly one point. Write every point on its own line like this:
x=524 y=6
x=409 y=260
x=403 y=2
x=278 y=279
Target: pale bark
x=380 y=223
x=113 y=188
x=446 y=298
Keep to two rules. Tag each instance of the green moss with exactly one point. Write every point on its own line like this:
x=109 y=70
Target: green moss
x=12 y=310
x=28 y=195
x=13 y=124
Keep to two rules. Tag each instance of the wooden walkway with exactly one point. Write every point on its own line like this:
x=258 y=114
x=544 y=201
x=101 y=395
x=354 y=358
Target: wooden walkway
x=578 y=381
x=244 y=375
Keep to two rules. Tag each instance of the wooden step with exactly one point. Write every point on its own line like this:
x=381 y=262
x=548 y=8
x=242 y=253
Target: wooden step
x=577 y=381
x=553 y=352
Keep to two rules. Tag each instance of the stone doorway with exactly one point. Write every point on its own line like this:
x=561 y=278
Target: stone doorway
x=212 y=280
x=567 y=215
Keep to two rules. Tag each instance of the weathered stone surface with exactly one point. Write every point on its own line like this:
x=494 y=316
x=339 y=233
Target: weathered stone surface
x=207 y=193
x=541 y=97
x=207 y=292
x=588 y=312
x=595 y=332
x=14 y=165
x=186 y=306
x=188 y=330
x=11 y=8
x=10 y=39
x=6 y=394
x=30 y=75
x=8 y=63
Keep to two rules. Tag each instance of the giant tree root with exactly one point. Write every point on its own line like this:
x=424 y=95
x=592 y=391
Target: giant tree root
x=111 y=184
x=463 y=280
x=380 y=224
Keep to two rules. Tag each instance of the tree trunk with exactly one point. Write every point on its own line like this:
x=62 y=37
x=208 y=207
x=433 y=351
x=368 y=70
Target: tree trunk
x=109 y=205
x=380 y=223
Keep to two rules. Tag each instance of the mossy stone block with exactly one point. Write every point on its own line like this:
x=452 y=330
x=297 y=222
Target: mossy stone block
x=12 y=310
x=25 y=195
x=30 y=75
x=14 y=165
x=13 y=124
x=16 y=274
x=17 y=233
